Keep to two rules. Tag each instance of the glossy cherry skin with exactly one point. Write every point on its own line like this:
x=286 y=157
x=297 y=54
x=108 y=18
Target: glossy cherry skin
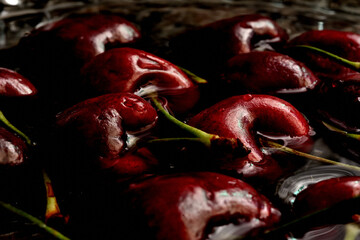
x=343 y=44
x=269 y=73
x=100 y=132
x=142 y=73
x=83 y=36
x=242 y=117
x=339 y=94
x=327 y=193
x=187 y=206
x=52 y=55
x=207 y=48
x=13 y=84
x=12 y=149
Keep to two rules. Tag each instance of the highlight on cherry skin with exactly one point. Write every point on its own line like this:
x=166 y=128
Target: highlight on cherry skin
x=193 y=205
x=13 y=84
x=243 y=117
x=141 y=73
x=69 y=43
x=103 y=132
x=341 y=43
x=345 y=188
x=205 y=49
x=267 y=72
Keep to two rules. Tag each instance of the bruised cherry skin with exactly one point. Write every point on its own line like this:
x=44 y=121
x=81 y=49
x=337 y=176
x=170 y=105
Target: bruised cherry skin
x=209 y=47
x=102 y=131
x=186 y=206
x=343 y=44
x=326 y=193
x=12 y=149
x=142 y=73
x=12 y=84
x=243 y=117
x=268 y=72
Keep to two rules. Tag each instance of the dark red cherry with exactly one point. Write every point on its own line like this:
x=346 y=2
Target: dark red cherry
x=343 y=44
x=189 y=206
x=245 y=117
x=268 y=73
x=12 y=84
x=142 y=73
x=101 y=134
x=53 y=54
x=327 y=193
x=206 y=49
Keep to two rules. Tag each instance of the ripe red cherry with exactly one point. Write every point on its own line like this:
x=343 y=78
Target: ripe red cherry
x=189 y=205
x=142 y=73
x=243 y=117
x=53 y=54
x=327 y=193
x=207 y=48
x=12 y=84
x=269 y=73
x=343 y=44
x=338 y=98
x=101 y=134
x=77 y=37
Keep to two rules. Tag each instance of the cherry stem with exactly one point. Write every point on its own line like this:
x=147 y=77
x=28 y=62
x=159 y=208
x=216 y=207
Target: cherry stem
x=202 y=136
x=345 y=62
x=335 y=129
x=15 y=129
x=193 y=76
x=34 y=220
x=211 y=141
x=52 y=207
x=306 y=155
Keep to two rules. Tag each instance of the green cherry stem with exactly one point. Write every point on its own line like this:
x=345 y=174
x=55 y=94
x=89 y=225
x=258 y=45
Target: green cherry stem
x=34 y=220
x=306 y=155
x=345 y=62
x=193 y=76
x=335 y=129
x=211 y=141
x=15 y=129
x=52 y=207
x=201 y=136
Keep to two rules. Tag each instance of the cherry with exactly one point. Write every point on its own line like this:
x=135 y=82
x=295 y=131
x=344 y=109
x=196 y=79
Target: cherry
x=190 y=205
x=54 y=53
x=101 y=133
x=333 y=56
x=327 y=193
x=12 y=84
x=340 y=43
x=243 y=117
x=206 y=49
x=139 y=72
x=269 y=73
